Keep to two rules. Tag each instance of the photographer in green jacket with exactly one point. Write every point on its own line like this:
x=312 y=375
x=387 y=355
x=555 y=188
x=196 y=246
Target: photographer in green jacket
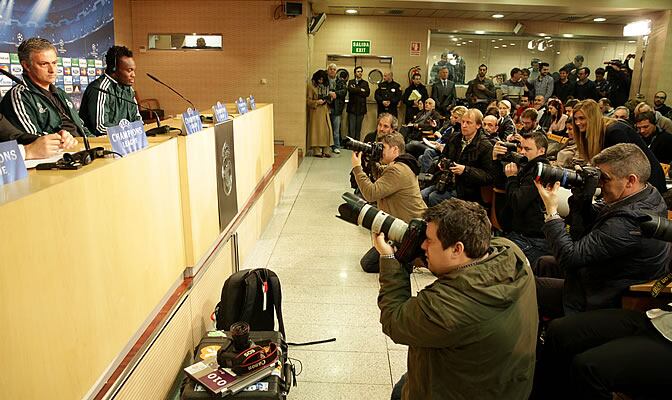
x=472 y=333
x=36 y=106
x=101 y=110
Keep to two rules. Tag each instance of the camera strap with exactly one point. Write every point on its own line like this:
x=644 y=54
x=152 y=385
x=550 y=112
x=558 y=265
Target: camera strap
x=661 y=284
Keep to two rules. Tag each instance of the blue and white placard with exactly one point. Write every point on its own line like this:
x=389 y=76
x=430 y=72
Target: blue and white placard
x=241 y=104
x=221 y=113
x=12 y=167
x=192 y=121
x=127 y=137
x=253 y=103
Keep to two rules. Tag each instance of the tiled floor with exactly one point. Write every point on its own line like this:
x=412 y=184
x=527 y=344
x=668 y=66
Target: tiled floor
x=325 y=292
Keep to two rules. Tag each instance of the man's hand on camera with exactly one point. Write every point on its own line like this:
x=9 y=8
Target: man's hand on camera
x=498 y=150
x=384 y=248
x=356 y=159
x=591 y=177
x=549 y=195
x=457 y=169
x=510 y=169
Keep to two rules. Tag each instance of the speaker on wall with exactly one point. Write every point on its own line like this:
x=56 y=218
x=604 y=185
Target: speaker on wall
x=316 y=22
x=292 y=8
x=518 y=28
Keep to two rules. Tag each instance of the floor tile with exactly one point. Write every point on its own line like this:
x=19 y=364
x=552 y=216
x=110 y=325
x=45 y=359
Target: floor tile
x=338 y=391
x=328 y=277
x=355 y=339
x=339 y=367
x=331 y=314
x=328 y=294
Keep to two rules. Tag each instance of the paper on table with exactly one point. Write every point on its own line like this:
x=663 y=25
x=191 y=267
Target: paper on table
x=429 y=143
x=33 y=163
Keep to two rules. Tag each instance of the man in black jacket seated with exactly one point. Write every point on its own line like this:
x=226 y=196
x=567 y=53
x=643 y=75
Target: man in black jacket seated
x=471 y=154
x=523 y=203
x=592 y=271
x=660 y=142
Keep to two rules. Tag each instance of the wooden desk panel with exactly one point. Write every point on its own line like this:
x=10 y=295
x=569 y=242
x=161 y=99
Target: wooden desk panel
x=87 y=257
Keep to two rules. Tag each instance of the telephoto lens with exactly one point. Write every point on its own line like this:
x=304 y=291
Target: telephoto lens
x=511 y=147
x=407 y=237
x=373 y=150
x=656 y=227
x=548 y=175
x=240 y=333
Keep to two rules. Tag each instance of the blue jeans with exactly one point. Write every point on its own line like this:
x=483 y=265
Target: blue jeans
x=427 y=158
x=432 y=197
x=336 y=126
x=532 y=247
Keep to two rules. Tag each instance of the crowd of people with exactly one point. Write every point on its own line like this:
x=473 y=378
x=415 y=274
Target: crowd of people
x=532 y=311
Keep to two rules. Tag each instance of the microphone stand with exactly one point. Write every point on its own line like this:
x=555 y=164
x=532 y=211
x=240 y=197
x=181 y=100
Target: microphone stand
x=193 y=107
x=151 y=132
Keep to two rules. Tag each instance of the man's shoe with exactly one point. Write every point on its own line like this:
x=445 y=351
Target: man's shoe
x=337 y=151
x=326 y=155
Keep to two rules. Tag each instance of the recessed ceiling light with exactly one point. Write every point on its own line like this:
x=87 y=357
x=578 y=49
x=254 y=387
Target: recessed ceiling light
x=504 y=45
x=500 y=39
x=568 y=35
x=496 y=47
x=471 y=41
x=632 y=41
x=512 y=44
x=454 y=39
x=497 y=15
x=547 y=37
x=459 y=44
x=351 y=11
x=542 y=34
x=493 y=40
x=557 y=52
x=599 y=19
x=479 y=32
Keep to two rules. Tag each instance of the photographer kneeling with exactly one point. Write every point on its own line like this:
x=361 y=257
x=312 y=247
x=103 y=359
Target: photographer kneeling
x=594 y=270
x=396 y=190
x=523 y=203
x=472 y=333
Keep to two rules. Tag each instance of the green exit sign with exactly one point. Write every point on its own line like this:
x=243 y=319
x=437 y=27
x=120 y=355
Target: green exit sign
x=361 y=47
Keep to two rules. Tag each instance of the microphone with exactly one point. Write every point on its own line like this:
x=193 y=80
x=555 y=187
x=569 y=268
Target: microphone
x=18 y=81
x=151 y=132
x=193 y=107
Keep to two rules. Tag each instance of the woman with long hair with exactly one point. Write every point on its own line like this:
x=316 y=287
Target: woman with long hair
x=319 y=128
x=558 y=117
x=593 y=132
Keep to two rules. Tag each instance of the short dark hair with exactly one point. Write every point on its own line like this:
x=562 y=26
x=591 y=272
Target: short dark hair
x=600 y=71
x=395 y=139
x=113 y=55
x=525 y=71
x=320 y=74
x=358 y=67
x=646 y=115
x=585 y=69
x=570 y=103
x=530 y=113
x=482 y=65
x=565 y=69
x=461 y=221
x=515 y=71
x=544 y=64
x=540 y=139
x=416 y=74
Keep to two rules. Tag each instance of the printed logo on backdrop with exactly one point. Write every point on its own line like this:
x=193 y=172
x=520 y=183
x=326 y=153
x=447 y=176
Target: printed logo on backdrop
x=4 y=58
x=12 y=167
x=192 y=121
x=241 y=105
x=227 y=169
x=127 y=137
x=253 y=103
x=221 y=113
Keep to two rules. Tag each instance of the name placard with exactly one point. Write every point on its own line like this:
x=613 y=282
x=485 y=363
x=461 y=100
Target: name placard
x=220 y=111
x=253 y=103
x=192 y=121
x=241 y=104
x=127 y=137
x=12 y=167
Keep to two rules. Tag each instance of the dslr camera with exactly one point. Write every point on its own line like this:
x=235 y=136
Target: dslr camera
x=446 y=179
x=373 y=150
x=512 y=154
x=406 y=237
x=548 y=175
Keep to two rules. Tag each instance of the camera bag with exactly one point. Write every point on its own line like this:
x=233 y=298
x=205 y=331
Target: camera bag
x=251 y=296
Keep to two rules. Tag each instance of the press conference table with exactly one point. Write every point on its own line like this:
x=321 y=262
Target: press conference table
x=88 y=255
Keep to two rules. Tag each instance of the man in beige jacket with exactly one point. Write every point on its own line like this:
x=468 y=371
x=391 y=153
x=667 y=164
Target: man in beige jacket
x=396 y=190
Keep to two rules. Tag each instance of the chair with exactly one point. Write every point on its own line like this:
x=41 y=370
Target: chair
x=151 y=104
x=488 y=195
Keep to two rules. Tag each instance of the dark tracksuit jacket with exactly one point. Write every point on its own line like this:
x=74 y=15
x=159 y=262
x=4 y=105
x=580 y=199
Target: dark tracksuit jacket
x=32 y=112
x=100 y=110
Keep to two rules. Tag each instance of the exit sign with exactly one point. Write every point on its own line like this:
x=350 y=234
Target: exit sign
x=361 y=47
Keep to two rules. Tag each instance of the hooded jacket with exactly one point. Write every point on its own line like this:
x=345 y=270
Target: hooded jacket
x=396 y=190
x=472 y=333
x=612 y=255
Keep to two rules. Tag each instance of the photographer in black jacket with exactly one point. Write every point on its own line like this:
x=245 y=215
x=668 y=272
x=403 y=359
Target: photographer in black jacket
x=471 y=154
x=592 y=270
x=523 y=203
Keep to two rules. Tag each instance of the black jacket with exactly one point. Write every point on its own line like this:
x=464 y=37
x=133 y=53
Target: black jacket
x=390 y=91
x=410 y=110
x=477 y=158
x=358 y=92
x=522 y=198
x=564 y=90
x=337 y=105
x=586 y=91
x=444 y=96
x=601 y=265
x=621 y=132
x=660 y=144
x=505 y=127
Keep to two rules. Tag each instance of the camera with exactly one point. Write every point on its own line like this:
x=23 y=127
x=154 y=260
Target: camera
x=373 y=150
x=446 y=179
x=656 y=227
x=512 y=154
x=548 y=175
x=408 y=237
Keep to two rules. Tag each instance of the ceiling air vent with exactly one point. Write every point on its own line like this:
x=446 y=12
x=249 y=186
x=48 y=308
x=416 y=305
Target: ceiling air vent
x=395 y=12
x=573 y=18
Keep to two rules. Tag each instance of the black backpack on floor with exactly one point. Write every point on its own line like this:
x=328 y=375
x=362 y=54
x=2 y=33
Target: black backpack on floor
x=251 y=296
